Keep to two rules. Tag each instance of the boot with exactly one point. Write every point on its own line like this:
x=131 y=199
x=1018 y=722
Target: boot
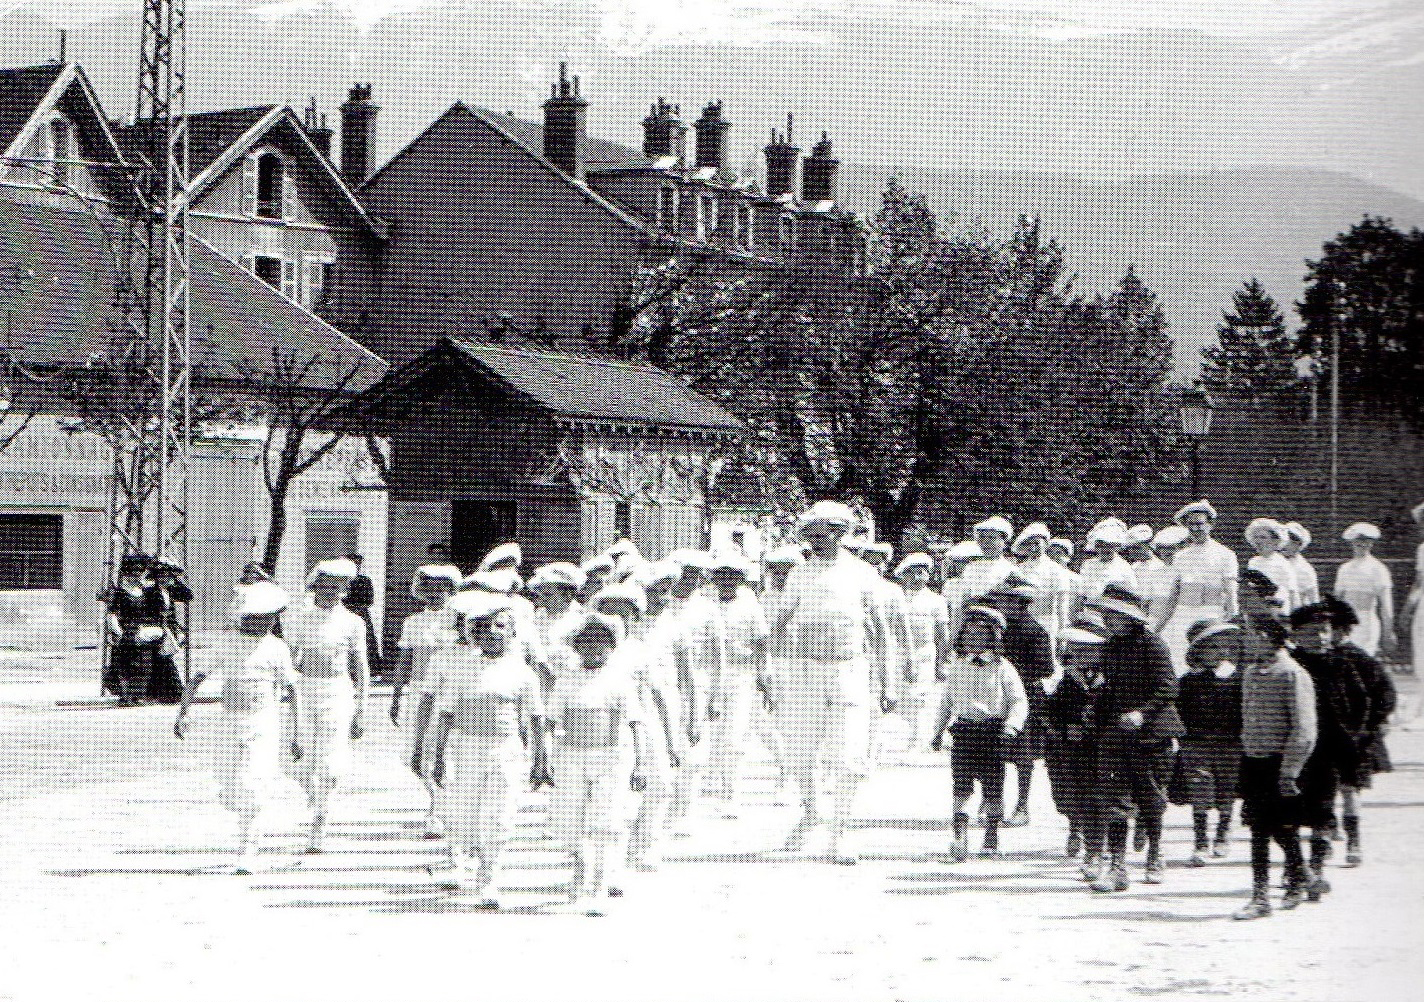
x=959 y=848
x=1316 y=886
x=1199 y=844
x=990 y=849
x=1112 y=879
x=1018 y=819
x=1152 y=874
x=1221 y=848
x=1297 y=881
x=1092 y=867
x=1258 y=907
x=1139 y=836
x=1075 y=844
x=1353 y=855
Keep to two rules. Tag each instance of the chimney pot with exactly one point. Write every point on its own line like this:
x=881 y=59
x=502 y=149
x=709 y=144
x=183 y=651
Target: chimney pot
x=358 y=134
x=565 y=124
x=818 y=178
x=712 y=129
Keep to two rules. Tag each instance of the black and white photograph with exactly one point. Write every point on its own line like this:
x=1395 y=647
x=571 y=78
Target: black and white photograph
x=711 y=500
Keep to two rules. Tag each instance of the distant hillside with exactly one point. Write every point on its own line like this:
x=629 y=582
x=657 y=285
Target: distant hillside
x=1194 y=236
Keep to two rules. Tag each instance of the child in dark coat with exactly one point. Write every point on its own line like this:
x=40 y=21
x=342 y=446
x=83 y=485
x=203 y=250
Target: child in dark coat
x=1209 y=703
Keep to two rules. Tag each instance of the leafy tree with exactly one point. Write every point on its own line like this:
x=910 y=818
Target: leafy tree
x=1254 y=357
x=1367 y=288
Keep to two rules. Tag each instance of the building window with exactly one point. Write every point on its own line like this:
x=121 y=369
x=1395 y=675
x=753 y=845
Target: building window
x=31 y=551
x=64 y=148
x=706 y=216
x=622 y=519
x=314 y=281
x=269 y=186
x=788 y=232
x=667 y=207
x=269 y=269
x=745 y=234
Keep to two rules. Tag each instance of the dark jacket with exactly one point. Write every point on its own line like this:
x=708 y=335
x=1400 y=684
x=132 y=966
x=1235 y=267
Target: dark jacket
x=1342 y=708
x=361 y=595
x=1068 y=713
x=1139 y=676
x=1030 y=650
x=1210 y=707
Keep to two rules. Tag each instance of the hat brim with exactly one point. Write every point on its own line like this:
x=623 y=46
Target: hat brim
x=1117 y=605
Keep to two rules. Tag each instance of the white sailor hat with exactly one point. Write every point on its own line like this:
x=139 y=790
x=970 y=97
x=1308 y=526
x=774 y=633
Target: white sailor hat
x=1300 y=533
x=1034 y=530
x=624 y=549
x=1081 y=633
x=1110 y=530
x=338 y=567
x=1361 y=530
x=1204 y=628
x=655 y=572
x=685 y=558
x=1116 y=598
x=1171 y=535
x=785 y=556
x=882 y=549
x=261 y=598
x=1014 y=586
x=1063 y=544
x=504 y=580
x=1203 y=506
x=967 y=550
x=729 y=560
x=829 y=512
x=1140 y=534
x=993 y=615
x=915 y=560
x=560 y=572
x=436 y=572
x=996 y=523
x=504 y=553
x=623 y=592
x=601 y=561
x=1417 y=512
x=473 y=605
x=592 y=621
x=1260 y=525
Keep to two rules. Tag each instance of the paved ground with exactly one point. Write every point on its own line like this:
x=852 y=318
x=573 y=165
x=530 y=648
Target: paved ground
x=108 y=891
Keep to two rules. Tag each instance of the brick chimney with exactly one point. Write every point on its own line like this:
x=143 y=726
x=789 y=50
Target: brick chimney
x=358 y=134
x=818 y=176
x=317 y=131
x=782 y=160
x=712 y=131
x=565 y=122
x=664 y=134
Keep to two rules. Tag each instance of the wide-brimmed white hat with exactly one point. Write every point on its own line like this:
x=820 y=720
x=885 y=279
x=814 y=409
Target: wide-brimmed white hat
x=785 y=555
x=700 y=559
x=473 y=605
x=915 y=560
x=1140 y=533
x=338 y=567
x=1204 y=628
x=1110 y=530
x=1361 y=530
x=1300 y=533
x=623 y=592
x=261 y=598
x=1034 y=530
x=436 y=572
x=1259 y=525
x=1171 y=535
x=560 y=572
x=996 y=523
x=986 y=612
x=730 y=560
x=1064 y=544
x=829 y=512
x=504 y=553
x=967 y=550
x=1204 y=506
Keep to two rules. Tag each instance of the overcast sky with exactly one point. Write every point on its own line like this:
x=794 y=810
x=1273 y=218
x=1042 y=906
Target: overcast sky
x=1098 y=87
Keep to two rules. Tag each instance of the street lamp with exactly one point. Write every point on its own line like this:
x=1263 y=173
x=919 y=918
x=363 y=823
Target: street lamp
x=1195 y=409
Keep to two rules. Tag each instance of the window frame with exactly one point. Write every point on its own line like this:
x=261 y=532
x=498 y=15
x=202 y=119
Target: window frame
x=51 y=562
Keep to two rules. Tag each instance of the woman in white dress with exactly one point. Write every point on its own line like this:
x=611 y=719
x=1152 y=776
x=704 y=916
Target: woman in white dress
x=1267 y=537
x=1365 y=582
x=253 y=670
x=1413 y=610
x=422 y=634
x=329 y=647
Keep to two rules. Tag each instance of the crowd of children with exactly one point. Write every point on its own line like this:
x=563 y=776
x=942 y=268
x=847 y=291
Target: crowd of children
x=630 y=691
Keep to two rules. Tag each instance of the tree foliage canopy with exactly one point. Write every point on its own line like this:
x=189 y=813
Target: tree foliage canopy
x=1254 y=357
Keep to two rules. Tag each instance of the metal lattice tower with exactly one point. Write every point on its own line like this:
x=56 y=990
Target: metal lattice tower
x=149 y=424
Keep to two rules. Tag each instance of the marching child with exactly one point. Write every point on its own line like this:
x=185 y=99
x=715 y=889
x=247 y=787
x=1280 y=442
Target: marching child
x=929 y=646
x=422 y=634
x=600 y=753
x=479 y=701
x=1209 y=703
x=254 y=674
x=985 y=707
x=1070 y=746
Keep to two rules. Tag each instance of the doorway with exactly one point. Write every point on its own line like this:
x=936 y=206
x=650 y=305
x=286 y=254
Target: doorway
x=478 y=526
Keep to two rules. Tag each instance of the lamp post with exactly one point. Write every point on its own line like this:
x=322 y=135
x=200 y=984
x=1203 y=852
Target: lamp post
x=1195 y=410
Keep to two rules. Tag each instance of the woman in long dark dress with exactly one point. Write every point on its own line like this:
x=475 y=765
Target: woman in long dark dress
x=137 y=610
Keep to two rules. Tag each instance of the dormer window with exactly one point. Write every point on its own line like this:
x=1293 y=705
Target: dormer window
x=269 y=186
x=64 y=148
x=706 y=216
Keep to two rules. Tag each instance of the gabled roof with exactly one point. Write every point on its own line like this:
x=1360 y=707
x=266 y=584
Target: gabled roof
x=27 y=96
x=577 y=388
x=21 y=91
x=64 y=265
x=219 y=139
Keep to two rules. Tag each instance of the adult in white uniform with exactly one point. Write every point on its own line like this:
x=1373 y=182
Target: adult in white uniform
x=1154 y=576
x=482 y=697
x=1052 y=582
x=834 y=626
x=329 y=648
x=929 y=648
x=1105 y=565
x=980 y=576
x=422 y=634
x=701 y=657
x=1267 y=536
x=1165 y=544
x=555 y=588
x=1307 y=581
x=1204 y=577
x=901 y=645
x=253 y=670
x=1365 y=582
